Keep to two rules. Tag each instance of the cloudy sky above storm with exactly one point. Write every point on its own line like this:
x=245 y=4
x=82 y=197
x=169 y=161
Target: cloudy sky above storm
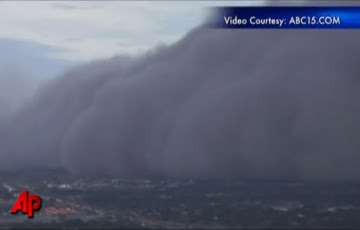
x=82 y=31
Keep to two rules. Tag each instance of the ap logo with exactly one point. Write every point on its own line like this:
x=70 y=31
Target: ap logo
x=27 y=204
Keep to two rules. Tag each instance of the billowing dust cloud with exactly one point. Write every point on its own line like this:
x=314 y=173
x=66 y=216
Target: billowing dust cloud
x=217 y=104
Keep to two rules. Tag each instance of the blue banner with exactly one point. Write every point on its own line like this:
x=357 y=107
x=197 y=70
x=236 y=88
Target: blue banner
x=285 y=17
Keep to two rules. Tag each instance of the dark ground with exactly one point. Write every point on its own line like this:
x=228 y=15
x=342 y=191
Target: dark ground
x=169 y=203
